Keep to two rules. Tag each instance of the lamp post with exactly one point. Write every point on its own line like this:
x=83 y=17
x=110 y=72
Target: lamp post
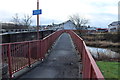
x=38 y=21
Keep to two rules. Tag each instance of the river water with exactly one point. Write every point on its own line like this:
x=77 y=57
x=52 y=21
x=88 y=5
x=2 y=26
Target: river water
x=102 y=52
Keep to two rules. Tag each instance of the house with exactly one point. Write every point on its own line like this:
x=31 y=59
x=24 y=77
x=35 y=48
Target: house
x=68 y=25
x=114 y=26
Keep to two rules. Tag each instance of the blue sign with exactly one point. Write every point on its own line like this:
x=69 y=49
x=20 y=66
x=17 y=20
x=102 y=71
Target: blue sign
x=37 y=12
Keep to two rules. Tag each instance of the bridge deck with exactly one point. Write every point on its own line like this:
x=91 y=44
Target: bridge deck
x=62 y=61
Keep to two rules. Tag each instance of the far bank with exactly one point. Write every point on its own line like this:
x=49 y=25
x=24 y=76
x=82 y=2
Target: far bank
x=102 y=40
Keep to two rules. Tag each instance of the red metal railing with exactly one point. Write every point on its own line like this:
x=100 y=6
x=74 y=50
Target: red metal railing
x=90 y=68
x=22 y=54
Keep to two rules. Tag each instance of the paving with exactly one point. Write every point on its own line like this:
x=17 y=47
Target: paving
x=62 y=61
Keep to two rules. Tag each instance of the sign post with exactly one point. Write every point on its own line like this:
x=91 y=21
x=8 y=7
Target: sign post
x=37 y=12
x=38 y=21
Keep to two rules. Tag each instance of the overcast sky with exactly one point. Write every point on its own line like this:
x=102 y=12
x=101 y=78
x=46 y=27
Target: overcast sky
x=99 y=12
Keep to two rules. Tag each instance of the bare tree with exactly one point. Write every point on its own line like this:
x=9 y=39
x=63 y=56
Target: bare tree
x=16 y=19
x=78 y=21
x=26 y=21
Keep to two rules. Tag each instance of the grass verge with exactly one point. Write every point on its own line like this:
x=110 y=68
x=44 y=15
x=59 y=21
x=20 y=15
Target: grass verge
x=109 y=69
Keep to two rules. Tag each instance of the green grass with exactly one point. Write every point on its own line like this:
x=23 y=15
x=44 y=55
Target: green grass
x=109 y=69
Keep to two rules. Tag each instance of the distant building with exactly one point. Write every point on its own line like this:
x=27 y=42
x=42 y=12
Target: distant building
x=114 y=26
x=10 y=25
x=82 y=28
x=68 y=25
x=102 y=29
x=91 y=29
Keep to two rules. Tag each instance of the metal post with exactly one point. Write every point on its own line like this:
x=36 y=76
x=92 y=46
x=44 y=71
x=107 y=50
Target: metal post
x=38 y=20
x=29 y=54
x=9 y=61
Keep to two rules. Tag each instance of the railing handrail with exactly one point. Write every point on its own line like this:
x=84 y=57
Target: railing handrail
x=94 y=71
x=19 y=42
x=30 y=51
x=27 y=41
x=94 y=65
x=49 y=35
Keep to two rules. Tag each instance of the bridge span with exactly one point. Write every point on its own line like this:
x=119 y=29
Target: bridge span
x=62 y=61
x=67 y=58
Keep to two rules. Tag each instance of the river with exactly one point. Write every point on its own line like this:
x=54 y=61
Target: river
x=103 y=53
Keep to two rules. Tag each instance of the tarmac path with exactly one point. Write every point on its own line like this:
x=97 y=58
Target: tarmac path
x=62 y=61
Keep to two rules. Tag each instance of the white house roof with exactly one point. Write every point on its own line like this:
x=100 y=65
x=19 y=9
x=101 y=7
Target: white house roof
x=66 y=25
x=115 y=23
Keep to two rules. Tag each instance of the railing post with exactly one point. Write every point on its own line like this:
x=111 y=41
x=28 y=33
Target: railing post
x=29 y=54
x=38 y=49
x=91 y=71
x=82 y=47
x=9 y=61
x=40 y=56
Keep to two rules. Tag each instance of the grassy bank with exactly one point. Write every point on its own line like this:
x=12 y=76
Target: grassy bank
x=109 y=69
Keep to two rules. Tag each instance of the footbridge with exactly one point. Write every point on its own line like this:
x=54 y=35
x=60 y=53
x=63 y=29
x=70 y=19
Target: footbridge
x=62 y=54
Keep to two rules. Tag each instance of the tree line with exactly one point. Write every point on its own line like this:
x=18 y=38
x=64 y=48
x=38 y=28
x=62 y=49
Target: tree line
x=79 y=21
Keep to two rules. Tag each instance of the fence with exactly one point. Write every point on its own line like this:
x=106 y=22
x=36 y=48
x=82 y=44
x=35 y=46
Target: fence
x=22 y=54
x=90 y=68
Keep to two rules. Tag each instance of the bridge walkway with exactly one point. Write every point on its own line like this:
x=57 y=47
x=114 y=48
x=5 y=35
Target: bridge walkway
x=62 y=61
